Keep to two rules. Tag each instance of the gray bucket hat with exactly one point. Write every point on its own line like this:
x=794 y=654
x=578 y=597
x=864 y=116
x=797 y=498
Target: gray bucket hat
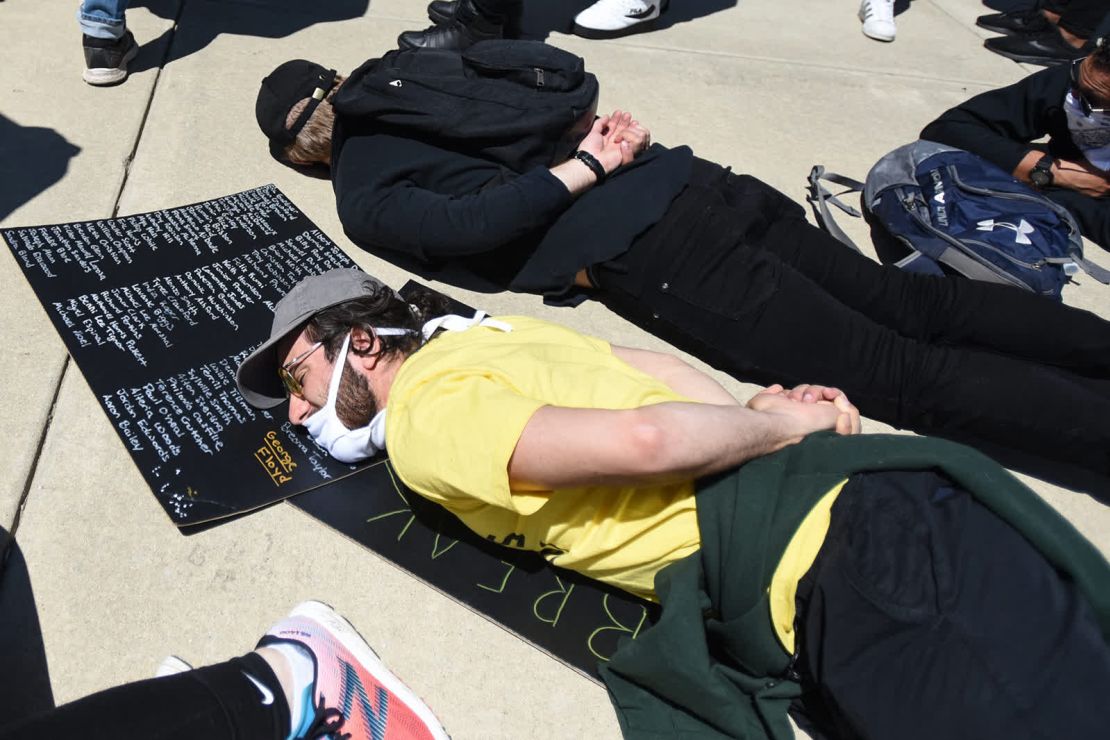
x=257 y=377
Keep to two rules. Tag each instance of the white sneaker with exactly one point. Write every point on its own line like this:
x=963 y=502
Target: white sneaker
x=171 y=666
x=878 y=19
x=608 y=19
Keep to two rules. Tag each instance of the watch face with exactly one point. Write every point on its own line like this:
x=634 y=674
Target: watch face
x=1040 y=177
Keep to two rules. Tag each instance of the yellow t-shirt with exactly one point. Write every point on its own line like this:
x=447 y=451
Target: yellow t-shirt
x=456 y=411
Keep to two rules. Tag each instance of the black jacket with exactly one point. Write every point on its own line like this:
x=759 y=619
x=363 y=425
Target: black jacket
x=447 y=215
x=999 y=125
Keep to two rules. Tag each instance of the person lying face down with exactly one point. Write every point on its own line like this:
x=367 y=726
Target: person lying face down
x=887 y=576
x=1068 y=103
x=719 y=264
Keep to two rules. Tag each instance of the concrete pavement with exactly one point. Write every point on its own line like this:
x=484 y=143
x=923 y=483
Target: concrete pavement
x=768 y=87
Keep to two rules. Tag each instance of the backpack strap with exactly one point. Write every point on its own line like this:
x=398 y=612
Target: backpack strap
x=819 y=197
x=1079 y=262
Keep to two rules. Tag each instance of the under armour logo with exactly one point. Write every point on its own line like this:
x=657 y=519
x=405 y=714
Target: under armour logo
x=1021 y=231
x=395 y=83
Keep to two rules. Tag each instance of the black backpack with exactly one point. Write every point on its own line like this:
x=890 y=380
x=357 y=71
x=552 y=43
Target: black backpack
x=521 y=104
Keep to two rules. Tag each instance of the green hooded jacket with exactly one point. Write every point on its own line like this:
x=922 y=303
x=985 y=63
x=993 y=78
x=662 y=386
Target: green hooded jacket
x=712 y=666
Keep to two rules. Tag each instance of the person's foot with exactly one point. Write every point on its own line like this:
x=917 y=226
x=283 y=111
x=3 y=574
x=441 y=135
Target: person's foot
x=878 y=19
x=106 y=59
x=442 y=13
x=610 y=19
x=468 y=26
x=1014 y=24
x=339 y=686
x=1046 y=48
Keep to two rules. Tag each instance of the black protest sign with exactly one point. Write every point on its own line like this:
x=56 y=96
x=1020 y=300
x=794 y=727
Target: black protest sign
x=575 y=619
x=157 y=310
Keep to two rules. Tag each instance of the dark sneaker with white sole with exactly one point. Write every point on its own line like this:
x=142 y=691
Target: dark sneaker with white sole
x=106 y=59
x=1047 y=48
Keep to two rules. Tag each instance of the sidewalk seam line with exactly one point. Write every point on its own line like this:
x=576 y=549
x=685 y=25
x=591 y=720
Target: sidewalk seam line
x=146 y=111
x=26 y=493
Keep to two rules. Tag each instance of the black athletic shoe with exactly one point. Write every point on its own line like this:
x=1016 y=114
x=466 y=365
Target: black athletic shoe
x=456 y=36
x=1047 y=48
x=442 y=12
x=106 y=59
x=1014 y=24
x=467 y=27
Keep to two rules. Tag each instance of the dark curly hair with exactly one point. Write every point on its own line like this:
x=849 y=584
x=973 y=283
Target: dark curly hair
x=381 y=307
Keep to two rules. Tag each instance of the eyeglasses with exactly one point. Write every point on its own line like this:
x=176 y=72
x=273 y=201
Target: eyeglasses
x=1084 y=103
x=285 y=372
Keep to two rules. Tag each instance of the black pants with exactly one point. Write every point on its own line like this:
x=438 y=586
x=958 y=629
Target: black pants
x=1092 y=214
x=1080 y=17
x=735 y=275
x=214 y=703
x=926 y=616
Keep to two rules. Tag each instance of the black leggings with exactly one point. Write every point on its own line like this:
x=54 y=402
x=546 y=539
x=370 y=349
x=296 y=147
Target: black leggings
x=214 y=703
x=735 y=275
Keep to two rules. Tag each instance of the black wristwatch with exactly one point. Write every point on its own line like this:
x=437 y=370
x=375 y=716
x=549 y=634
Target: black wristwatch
x=1041 y=174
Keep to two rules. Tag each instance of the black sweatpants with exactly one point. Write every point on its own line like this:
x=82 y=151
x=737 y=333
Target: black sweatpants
x=926 y=616
x=736 y=276
x=214 y=703
x=1092 y=214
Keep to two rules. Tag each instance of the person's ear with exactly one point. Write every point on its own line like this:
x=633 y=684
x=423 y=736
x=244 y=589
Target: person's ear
x=365 y=347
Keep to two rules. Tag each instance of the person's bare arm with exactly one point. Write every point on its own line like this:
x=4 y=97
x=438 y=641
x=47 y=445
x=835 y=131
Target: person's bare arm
x=676 y=374
x=568 y=447
x=1078 y=176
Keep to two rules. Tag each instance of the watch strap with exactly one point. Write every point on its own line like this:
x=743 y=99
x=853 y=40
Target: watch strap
x=1044 y=166
x=591 y=161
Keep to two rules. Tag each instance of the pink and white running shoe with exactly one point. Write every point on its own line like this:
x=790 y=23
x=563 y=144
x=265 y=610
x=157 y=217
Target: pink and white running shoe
x=353 y=695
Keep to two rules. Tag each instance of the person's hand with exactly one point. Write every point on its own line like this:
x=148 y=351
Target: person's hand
x=809 y=408
x=1082 y=177
x=637 y=136
x=615 y=139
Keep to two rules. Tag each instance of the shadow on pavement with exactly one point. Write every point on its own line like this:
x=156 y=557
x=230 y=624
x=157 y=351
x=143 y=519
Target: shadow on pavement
x=24 y=680
x=272 y=19
x=31 y=160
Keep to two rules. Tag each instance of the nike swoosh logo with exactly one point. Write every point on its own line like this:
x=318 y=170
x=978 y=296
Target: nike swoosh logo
x=267 y=695
x=641 y=14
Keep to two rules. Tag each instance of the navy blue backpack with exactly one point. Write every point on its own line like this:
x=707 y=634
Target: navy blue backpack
x=935 y=209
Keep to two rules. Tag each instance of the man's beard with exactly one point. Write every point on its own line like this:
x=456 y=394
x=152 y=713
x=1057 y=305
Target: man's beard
x=355 y=404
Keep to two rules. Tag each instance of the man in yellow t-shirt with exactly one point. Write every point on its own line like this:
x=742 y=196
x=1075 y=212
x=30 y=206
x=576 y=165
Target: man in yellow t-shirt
x=876 y=590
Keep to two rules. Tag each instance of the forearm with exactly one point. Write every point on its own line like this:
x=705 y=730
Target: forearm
x=676 y=374
x=1025 y=166
x=663 y=443
x=696 y=440
x=407 y=218
x=575 y=175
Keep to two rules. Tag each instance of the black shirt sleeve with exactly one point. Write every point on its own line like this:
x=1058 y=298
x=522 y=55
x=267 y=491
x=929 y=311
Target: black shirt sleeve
x=404 y=195
x=999 y=125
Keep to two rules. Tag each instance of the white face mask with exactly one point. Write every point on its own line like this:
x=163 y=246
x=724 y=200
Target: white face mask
x=1090 y=133
x=354 y=445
